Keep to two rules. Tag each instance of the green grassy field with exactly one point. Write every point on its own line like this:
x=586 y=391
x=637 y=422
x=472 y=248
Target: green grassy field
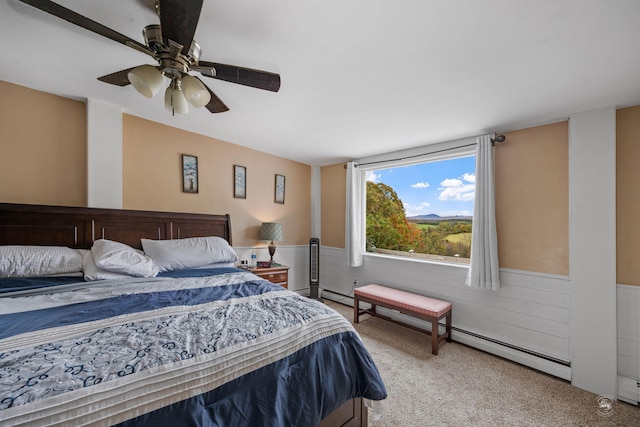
x=459 y=237
x=453 y=238
x=426 y=225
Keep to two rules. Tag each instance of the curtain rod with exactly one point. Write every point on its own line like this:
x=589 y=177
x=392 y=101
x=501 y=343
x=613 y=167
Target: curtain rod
x=498 y=139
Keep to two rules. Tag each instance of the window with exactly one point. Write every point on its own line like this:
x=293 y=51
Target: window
x=426 y=161
x=422 y=210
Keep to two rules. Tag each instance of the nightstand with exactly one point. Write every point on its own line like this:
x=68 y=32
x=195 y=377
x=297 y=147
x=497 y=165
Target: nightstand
x=278 y=275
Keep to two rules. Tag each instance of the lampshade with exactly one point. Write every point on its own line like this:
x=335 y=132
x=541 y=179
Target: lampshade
x=195 y=92
x=271 y=231
x=146 y=79
x=174 y=99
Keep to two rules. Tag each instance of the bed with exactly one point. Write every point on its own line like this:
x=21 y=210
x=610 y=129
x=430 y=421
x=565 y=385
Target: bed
x=205 y=345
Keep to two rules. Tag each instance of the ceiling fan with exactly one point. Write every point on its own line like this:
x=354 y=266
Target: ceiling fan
x=172 y=45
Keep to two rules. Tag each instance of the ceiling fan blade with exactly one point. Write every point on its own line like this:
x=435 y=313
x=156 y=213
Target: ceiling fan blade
x=240 y=75
x=88 y=24
x=119 y=78
x=178 y=21
x=215 y=105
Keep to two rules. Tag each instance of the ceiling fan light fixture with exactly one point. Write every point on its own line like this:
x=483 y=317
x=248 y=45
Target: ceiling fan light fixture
x=146 y=79
x=174 y=99
x=195 y=92
x=171 y=44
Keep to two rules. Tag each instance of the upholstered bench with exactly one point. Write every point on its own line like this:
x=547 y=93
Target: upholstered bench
x=419 y=306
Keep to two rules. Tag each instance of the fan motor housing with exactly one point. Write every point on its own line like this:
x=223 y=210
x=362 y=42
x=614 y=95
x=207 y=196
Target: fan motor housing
x=153 y=39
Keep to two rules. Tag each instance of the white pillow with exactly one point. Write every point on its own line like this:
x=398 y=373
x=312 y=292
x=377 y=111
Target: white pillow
x=39 y=261
x=117 y=257
x=93 y=272
x=194 y=252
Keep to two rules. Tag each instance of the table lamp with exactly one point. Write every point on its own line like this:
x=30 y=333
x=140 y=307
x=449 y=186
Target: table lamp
x=271 y=231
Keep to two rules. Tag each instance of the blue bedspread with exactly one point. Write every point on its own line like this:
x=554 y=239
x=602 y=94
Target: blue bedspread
x=227 y=349
x=14 y=284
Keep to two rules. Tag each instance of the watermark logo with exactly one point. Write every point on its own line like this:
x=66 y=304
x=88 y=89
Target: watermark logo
x=605 y=405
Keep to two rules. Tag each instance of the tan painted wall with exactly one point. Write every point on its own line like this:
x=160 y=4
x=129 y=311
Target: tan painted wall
x=44 y=161
x=333 y=193
x=46 y=164
x=531 y=200
x=628 y=195
x=43 y=154
x=152 y=173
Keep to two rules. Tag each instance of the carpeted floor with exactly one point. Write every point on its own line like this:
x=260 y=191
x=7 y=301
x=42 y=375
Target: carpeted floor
x=463 y=386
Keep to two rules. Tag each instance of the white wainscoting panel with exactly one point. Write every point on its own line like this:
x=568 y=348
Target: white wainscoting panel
x=531 y=311
x=628 y=322
x=296 y=257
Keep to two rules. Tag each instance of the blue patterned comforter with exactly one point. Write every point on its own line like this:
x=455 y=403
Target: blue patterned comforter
x=227 y=349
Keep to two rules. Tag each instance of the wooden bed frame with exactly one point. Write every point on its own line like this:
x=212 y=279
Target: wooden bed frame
x=78 y=228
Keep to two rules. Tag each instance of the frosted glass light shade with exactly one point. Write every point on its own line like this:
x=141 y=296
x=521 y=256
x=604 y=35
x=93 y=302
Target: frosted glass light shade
x=195 y=92
x=175 y=101
x=146 y=79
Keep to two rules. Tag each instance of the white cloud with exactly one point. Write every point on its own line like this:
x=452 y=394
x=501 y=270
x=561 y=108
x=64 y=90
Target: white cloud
x=462 y=192
x=420 y=185
x=419 y=209
x=451 y=182
x=372 y=176
x=456 y=189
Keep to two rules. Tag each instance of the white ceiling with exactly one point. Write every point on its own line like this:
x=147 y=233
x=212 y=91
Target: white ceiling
x=359 y=77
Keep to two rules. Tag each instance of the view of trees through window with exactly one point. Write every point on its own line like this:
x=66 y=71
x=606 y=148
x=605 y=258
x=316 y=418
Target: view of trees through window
x=423 y=210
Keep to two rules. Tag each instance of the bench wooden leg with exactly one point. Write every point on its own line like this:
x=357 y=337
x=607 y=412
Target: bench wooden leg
x=356 y=309
x=434 y=336
x=449 y=326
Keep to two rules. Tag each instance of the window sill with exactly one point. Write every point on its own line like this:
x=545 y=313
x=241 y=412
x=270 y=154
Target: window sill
x=418 y=260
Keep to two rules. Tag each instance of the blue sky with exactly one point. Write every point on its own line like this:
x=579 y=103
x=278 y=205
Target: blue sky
x=444 y=187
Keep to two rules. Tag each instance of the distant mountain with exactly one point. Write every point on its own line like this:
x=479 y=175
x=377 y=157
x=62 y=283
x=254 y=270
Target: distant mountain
x=429 y=216
x=436 y=217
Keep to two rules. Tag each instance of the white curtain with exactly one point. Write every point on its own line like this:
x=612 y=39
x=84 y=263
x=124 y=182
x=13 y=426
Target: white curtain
x=484 y=267
x=354 y=228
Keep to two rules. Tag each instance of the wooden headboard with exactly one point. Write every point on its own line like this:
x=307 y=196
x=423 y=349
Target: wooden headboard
x=76 y=227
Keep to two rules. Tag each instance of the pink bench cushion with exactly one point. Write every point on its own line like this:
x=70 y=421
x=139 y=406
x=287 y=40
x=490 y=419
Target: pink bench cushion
x=394 y=297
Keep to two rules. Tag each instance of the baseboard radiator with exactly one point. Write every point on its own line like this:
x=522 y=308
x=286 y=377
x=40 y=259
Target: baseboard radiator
x=628 y=389
x=550 y=365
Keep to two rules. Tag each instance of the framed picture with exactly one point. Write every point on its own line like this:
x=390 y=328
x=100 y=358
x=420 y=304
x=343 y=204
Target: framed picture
x=189 y=174
x=279 y=195
x=239 y=182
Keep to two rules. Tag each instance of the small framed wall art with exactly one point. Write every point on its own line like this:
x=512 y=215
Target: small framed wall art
x=279 y=193
x=239 y=182
x=189 y=174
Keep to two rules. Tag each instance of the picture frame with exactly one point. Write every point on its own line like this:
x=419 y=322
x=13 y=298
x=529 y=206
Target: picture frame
x=189 y=173
x=239 y=182
x=279 y=189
